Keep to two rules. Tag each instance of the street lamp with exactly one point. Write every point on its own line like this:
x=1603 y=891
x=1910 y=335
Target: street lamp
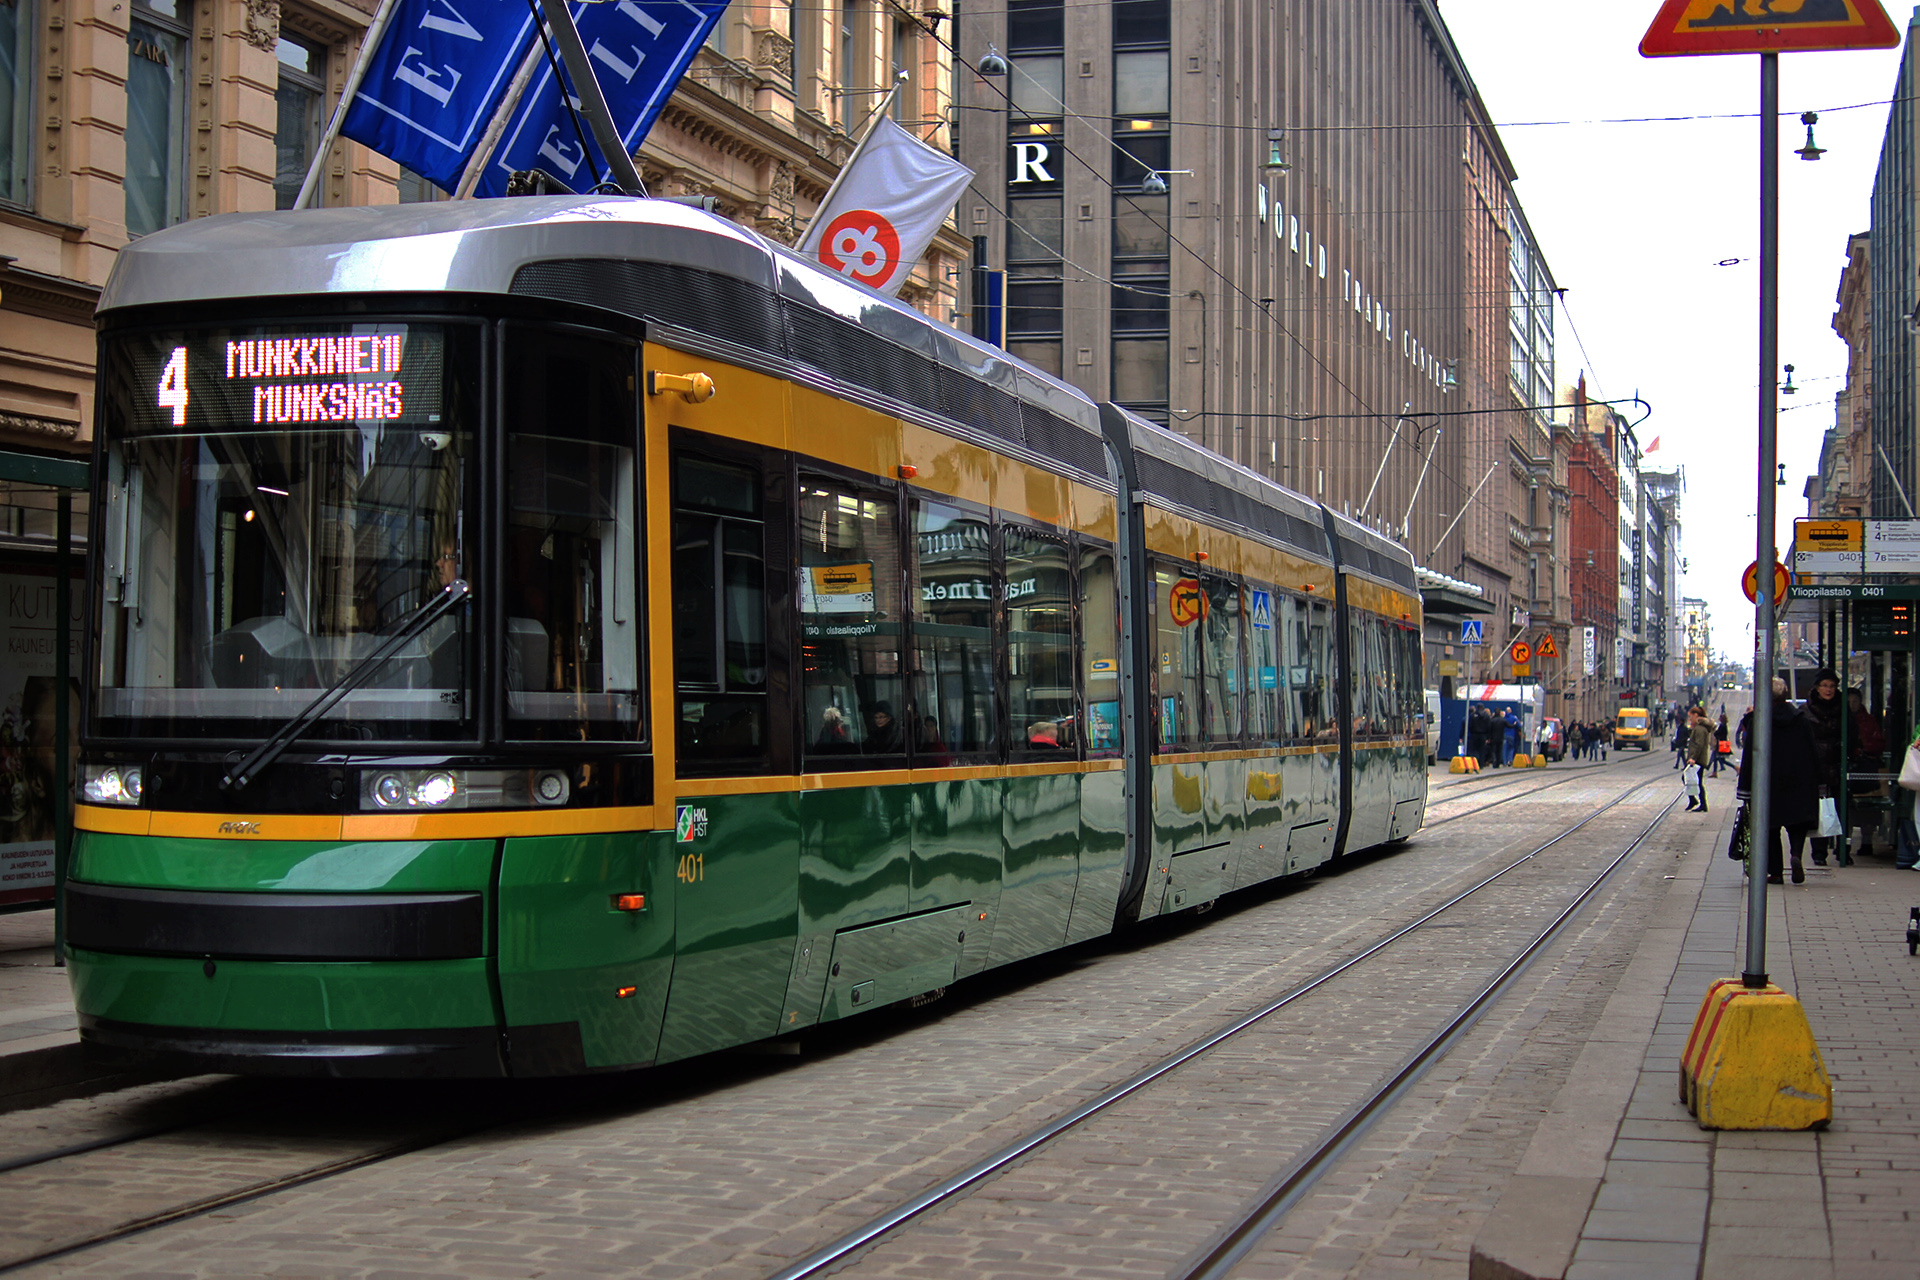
x=1155 y=183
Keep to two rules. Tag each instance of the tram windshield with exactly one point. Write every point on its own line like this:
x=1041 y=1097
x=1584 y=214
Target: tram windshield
x=277 y=502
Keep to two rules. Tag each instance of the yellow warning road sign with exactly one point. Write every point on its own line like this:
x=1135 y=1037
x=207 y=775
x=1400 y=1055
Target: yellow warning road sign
x=1548 y=649
x=1694 y=27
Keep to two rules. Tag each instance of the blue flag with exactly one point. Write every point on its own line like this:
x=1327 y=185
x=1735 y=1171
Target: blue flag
x=639 y=49
x=436 y=80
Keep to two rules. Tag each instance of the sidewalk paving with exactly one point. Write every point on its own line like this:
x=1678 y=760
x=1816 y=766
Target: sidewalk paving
x=1619 y=1182
x=40 y=1055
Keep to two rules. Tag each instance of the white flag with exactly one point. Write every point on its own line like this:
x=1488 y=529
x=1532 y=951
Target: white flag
x=883 y=212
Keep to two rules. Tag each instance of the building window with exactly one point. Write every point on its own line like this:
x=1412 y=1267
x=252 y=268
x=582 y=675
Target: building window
x=1035 y=209
x=415 y=189
x=302 y=89
x=1142 y=145
x=156 y=188
x=906 y=47
x=16 y=99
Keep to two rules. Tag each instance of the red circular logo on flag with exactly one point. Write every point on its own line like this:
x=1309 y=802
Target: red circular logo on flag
x=862 y=244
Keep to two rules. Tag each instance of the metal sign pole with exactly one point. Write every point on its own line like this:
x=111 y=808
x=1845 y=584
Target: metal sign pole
x=1760 y=802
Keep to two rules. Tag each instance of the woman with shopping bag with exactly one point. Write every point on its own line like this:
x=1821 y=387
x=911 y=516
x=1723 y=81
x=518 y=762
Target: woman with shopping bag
x=1699 y=751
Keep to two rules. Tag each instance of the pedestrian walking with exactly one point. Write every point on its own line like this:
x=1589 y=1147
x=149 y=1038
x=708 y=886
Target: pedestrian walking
x=1793 y=789
x=1510 y=737
x=1678 y=743
x=1722 y=746
x=1699 y=748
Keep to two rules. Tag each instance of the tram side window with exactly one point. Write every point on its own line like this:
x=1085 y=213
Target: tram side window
x=719 y=614
x=849 y=590
x=1411 y=682
x=1043 y=711
x=952 y=599
x=1177 y=601
x=572 y=644
x=1100 y=649
x=1319 y=705
x=1225 y=683
x=1363 y=653
x=1264 y=613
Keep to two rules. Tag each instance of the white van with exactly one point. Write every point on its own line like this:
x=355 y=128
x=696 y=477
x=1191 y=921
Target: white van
x=1433 y=725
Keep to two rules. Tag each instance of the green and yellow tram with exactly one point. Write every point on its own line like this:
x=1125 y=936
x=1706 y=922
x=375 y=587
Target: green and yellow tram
x=566 y=634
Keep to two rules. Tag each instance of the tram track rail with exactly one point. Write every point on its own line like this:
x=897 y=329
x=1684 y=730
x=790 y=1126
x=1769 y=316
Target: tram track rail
x=1527 y=792
x=1300 y=1175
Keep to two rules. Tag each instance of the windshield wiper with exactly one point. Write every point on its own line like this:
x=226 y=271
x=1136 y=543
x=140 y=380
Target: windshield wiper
x=269 y=751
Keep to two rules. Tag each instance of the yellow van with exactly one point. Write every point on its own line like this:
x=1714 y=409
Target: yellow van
x=1630 y=729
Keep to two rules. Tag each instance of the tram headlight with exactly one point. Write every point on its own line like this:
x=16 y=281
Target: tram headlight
x=112 y=784
x=434 y=790
x=412 y=790
x=390 y=791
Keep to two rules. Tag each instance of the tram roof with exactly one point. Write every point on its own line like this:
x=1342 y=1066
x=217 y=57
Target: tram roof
x=460 y=246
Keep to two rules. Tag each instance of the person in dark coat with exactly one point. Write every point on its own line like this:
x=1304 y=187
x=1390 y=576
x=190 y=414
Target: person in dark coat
x=1823 y=711
x=1795 y=790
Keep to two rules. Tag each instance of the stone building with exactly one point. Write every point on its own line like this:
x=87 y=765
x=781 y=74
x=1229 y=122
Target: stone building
x=1287 y=230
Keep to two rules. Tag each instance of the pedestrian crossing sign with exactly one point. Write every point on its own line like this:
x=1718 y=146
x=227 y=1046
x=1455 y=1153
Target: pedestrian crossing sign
x=1691 y=27
x=1472 y=631
x=1260 y=605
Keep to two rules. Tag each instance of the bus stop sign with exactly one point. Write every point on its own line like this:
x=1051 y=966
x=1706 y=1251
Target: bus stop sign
x=1687 y=28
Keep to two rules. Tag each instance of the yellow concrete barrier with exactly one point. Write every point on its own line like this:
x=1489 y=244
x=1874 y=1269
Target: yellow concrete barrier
x=1457 y=765
x=1540 y=762
x=1473 y=764
x=1752 y=1063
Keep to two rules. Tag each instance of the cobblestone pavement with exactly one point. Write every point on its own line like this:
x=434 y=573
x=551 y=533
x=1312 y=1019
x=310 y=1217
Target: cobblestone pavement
x=734 y=1166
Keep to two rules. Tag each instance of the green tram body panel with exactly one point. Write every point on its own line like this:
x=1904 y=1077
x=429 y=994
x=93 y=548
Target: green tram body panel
x=775 y=912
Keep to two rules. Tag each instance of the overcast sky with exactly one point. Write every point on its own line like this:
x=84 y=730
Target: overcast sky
x=1634 y=219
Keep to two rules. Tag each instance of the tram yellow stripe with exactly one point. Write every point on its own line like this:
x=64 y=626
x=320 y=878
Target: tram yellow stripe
x=111 y=821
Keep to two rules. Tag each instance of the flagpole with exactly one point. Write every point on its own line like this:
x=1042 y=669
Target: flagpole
x=585 y=84
x=477 y=162
x=375 y=30
x=826 y=201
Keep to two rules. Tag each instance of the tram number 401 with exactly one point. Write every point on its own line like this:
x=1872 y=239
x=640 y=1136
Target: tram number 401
x=693 y=867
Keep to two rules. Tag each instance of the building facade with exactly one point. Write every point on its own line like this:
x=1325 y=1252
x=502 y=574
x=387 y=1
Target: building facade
x=1287 y=230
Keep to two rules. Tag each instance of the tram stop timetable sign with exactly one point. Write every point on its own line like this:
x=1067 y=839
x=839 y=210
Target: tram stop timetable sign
x=1750 y=583
x=1687 y=28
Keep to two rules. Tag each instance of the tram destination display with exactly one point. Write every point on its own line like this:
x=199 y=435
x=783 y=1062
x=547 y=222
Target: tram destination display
x=224 y=380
